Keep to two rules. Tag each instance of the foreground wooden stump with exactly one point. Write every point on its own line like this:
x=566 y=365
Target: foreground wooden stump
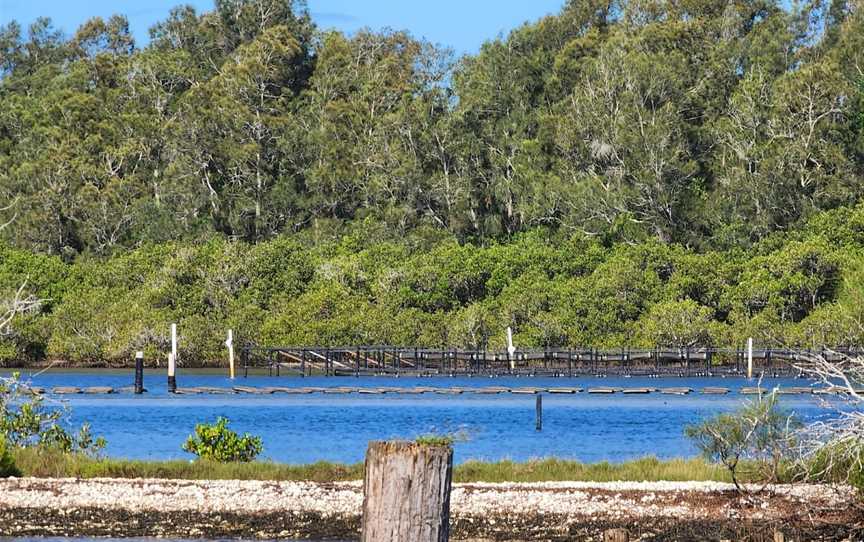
x=406 y=492
x=616 y=535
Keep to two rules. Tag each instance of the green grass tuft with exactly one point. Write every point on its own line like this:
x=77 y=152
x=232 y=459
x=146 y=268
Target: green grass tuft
x=47 y=464
x=435 y=440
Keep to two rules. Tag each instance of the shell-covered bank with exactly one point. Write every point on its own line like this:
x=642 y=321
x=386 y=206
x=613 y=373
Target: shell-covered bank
x=552 y=511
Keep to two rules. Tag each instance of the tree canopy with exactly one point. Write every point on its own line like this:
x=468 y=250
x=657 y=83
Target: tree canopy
x=708 y=124
x=616 y=162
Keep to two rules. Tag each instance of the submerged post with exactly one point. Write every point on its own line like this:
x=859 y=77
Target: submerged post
x=539 y=408
x=750 y=357
x=139 y=373
x=406 y=492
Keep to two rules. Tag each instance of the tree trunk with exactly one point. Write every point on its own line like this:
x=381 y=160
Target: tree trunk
x=406 y=492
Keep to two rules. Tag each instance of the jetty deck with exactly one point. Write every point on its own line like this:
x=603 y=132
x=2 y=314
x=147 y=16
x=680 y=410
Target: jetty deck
x=550 y=362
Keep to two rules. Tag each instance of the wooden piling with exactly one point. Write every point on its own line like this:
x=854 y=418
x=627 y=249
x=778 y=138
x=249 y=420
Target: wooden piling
x=172 y=379
x=139 y=373
x=539 y=412
x=616 y=535
x=406 y=492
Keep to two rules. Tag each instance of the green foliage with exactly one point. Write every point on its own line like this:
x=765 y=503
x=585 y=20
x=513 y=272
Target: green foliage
x=218 y=443
x=7 y=462
x=756 y=438
x=642 y=173
x=27 y=421
x=628 y=121
x=797 y=289
x=435 y=441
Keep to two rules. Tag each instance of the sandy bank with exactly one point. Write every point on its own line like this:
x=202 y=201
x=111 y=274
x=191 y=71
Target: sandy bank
x=538 y=511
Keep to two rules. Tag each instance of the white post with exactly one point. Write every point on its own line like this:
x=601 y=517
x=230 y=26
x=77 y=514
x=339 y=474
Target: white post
x=172 y=361
x=230 y=344
x=172 y=379
x=510 y=348
x=750 y=357
x=174 y=341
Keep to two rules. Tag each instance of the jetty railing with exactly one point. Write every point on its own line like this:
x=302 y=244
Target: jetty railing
x=562 y=362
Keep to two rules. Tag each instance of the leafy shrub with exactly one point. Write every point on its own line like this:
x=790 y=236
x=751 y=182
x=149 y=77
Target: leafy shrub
x=26 y=421
x=7 y=463
x=754 y=440
x=218 y=443
x=435 y=441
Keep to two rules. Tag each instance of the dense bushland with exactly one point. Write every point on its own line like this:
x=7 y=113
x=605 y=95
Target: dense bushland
x=801 y=288
x=622 y=172
x=706 y=123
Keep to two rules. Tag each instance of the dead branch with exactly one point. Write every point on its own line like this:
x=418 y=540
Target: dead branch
x=833 y=448
x=19 y=304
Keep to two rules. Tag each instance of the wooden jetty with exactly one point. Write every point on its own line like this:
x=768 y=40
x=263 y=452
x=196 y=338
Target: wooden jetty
x=551 y=362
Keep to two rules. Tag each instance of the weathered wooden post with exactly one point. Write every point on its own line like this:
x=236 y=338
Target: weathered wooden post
x=406 y=492
x=616 y=535
x=139 y=373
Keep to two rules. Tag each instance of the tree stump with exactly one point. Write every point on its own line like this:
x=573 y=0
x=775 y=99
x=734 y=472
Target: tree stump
x=406 y=492
x=616 y=535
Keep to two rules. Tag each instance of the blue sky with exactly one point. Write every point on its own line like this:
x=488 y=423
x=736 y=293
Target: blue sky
x=460 y=24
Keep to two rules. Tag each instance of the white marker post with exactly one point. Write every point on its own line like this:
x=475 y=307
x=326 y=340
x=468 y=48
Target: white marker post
x=510 y=348
x=230 y=344
x=750 y=357
x=172 y=361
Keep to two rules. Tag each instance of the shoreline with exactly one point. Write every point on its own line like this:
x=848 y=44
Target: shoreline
x=479 y=511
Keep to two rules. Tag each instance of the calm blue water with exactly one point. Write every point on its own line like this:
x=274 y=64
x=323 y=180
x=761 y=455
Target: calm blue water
x=307 y=428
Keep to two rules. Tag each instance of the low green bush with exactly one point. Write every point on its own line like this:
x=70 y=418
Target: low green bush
x=757 y=440
x=7 y=462
x=27 y=419
x=215 y=442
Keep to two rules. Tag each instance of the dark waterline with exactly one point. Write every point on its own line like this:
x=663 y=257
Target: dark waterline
x=308 y=428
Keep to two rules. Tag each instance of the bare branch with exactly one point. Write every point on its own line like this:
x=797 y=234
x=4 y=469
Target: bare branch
x=833 y=448
x=19 y=304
